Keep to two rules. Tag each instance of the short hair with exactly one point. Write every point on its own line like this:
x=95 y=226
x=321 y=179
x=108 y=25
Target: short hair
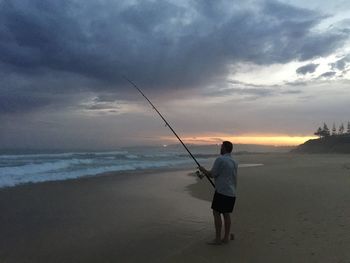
x=228 y=146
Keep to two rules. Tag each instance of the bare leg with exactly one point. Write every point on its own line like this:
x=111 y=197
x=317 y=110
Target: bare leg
x=227 y=220
x=218 y=224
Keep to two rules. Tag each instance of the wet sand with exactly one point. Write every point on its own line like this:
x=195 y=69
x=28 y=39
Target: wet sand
x=295 y=208
x=142 y=217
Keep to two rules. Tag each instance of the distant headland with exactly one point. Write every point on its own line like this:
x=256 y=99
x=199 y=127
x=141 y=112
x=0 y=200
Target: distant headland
x=334 y=141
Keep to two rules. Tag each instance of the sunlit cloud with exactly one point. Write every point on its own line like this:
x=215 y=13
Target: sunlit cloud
x=96 y=106
x=295 y=71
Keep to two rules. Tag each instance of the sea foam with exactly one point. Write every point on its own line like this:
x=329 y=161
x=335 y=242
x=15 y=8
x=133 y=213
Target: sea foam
x=33 y=168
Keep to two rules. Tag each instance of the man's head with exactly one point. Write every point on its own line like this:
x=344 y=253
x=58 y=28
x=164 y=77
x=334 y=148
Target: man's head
x=226 y=147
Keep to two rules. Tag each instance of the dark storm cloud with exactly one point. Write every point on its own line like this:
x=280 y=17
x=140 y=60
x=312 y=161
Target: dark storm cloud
x=24 y=92
x=19 y=103
x=309 y=68
x=157 y=43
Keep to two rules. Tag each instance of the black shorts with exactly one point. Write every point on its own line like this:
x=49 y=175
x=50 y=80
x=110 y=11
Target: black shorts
x=223 y=203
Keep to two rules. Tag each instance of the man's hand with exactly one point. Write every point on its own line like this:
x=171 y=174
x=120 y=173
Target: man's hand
x=203 y=170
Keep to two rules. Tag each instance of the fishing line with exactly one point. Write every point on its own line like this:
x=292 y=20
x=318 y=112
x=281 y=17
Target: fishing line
x=168 y=125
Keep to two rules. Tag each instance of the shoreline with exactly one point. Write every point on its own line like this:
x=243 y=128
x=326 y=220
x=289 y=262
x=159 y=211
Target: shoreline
x=120 y=174
x=208 y=162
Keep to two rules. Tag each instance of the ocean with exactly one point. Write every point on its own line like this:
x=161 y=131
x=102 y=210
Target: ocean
x=19 y=167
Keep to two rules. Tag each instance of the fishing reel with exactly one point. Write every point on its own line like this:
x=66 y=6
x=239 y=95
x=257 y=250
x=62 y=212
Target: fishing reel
x=199 y=174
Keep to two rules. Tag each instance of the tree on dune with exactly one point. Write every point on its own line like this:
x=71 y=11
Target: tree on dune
x=325 y=130
x=318 y=132
x=334 y=130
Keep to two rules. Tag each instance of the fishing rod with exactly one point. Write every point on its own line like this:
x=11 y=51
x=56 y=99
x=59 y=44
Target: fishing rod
x=168 y=125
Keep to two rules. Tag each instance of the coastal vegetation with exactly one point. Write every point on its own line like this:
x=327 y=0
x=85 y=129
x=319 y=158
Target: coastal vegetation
x=329 y=141
x=325 y=132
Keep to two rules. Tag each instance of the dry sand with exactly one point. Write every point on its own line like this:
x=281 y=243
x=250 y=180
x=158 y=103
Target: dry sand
x=295 y=208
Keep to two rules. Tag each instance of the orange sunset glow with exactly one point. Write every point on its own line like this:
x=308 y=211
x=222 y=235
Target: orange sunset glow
x=276 y=140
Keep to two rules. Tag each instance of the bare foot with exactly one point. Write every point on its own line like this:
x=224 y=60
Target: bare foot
x=226 y=240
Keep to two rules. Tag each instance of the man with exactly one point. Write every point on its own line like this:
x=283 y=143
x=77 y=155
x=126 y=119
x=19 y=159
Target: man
x=224 y=172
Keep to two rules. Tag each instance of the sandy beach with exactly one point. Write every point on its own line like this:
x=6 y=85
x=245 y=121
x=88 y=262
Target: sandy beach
x=294 y=208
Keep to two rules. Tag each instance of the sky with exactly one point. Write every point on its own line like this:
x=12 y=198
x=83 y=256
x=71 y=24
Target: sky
x=265 y=72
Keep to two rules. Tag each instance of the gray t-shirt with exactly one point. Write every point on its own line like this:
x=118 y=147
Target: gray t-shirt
x=224 y=172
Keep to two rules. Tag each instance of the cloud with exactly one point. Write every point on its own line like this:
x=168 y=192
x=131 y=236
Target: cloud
x=31 y=91
x=161 y=44
x=248 y=90
x=341 y=63
x=328 y=74
x=252 y=92
x=297 y=83
x=98 y=104
x=18 y=103
x=309 y=68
